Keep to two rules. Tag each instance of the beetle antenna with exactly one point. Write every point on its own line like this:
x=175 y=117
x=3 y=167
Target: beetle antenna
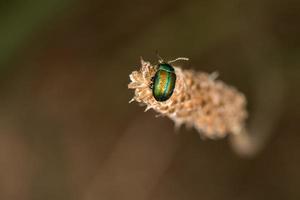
x=160 y=60
x=180 y=58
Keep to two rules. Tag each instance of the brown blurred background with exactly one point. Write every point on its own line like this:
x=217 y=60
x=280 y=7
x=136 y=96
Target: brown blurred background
x=68 y=132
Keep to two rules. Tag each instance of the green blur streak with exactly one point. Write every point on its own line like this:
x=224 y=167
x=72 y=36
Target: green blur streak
x=19 y=19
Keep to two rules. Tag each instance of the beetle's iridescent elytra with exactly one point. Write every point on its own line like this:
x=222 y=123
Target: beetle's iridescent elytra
x=163 y=82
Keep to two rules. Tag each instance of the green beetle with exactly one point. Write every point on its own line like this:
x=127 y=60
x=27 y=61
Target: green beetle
x=163 y=82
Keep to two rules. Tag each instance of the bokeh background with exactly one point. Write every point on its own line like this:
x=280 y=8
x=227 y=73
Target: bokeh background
x=67 y=131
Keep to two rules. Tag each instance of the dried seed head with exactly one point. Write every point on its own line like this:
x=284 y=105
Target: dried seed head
x=199 y=100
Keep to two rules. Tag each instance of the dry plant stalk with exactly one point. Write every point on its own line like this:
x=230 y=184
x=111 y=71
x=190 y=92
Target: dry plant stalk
x=199 y=100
